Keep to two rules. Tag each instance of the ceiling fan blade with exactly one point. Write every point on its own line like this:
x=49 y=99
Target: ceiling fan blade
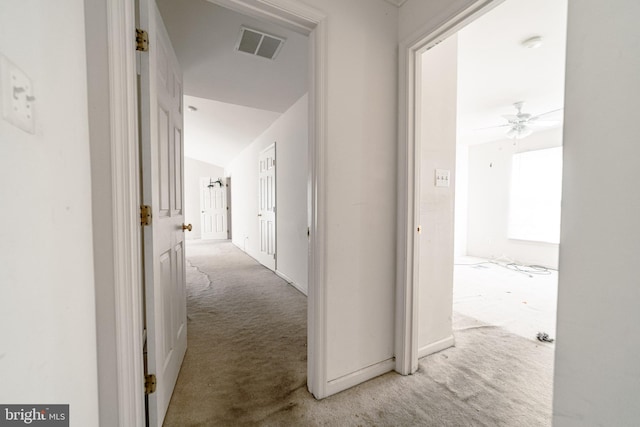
x=544 y=123
x=492 y=127
x=544 y=114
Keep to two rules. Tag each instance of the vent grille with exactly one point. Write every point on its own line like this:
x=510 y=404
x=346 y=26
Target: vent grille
x=257 y=43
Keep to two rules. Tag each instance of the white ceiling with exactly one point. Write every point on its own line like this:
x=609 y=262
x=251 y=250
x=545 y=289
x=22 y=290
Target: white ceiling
x=495 y=70
x=204 y=36
x=217 y=132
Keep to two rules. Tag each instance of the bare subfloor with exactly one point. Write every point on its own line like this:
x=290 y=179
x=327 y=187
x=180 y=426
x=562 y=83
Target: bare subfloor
x=246 y=363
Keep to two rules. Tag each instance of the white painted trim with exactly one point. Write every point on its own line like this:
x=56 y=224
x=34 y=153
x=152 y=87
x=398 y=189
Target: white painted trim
x=126 y=211
x=360 y=376
x=291 y=282
x=316 y=306
x=435 y=347
x=406 y=343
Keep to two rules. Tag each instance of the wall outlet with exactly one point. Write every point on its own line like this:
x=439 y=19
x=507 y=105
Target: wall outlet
x=442 y=177
x=17 y=96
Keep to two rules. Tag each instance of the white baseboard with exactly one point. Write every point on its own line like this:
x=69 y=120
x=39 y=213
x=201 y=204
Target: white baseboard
x=291 y=282
x=360 y=376
x=436 y=346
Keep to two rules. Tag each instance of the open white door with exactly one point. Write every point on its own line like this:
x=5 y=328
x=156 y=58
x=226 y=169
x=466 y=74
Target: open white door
x=161 y=122
x=267 y=206
x=214 y=209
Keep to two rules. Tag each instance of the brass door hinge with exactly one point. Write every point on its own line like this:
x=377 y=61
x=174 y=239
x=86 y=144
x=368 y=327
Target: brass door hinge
x=145 y=215
x=142 y=40
x=149 y=384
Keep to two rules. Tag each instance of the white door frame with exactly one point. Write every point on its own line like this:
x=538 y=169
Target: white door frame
x=124 y=154
x=406 y=343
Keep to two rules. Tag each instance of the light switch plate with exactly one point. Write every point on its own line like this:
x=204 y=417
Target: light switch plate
x=17 y=96
x=442 y=177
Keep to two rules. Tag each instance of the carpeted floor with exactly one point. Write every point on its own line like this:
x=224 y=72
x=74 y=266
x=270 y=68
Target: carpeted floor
x=246 y=363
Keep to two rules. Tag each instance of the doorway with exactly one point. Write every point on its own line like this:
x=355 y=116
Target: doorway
x=243 y=200
x=429 y=166
x=122 y=54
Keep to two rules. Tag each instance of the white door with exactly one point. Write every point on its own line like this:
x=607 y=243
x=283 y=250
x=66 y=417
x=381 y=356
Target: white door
x=214 y=209
x=267 y=206
x=162 y=184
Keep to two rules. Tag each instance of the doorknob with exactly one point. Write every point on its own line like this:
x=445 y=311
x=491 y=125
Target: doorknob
x=259 y=214
x=187 y=227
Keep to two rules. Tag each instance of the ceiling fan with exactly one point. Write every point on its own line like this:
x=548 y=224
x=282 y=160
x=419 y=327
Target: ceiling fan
x=521 y=124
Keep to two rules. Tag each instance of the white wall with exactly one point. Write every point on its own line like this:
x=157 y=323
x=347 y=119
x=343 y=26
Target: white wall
x=437 y=151
x=291 y=135
x=47 y=303
x=361 y=166
x=488 y=203
x=194 y=170
x=597 y=374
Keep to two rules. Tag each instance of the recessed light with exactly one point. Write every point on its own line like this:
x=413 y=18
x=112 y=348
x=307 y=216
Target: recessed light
x=532 y=42
x=192 y=108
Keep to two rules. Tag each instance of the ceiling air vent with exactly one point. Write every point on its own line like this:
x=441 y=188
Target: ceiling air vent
x=258 y=43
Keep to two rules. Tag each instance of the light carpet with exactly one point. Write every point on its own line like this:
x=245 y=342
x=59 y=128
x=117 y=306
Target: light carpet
x=246 y=363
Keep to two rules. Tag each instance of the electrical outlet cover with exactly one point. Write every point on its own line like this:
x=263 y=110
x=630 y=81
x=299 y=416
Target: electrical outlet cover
x=17 y=96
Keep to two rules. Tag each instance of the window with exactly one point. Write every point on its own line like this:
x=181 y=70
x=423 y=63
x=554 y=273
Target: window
x=536 y=191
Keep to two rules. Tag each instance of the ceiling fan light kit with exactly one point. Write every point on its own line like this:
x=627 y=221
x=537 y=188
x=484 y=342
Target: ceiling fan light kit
x=519 y=132
x=520 y=123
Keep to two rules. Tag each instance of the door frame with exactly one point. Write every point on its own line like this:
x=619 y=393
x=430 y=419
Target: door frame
x=409 y=110
x=120 y=28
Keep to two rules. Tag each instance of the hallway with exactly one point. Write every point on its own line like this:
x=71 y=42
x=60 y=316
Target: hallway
x=246 y=331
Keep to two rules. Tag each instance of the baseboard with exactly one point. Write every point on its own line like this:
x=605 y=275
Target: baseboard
x=291 y=282
x=436 y=346
x=360 y=376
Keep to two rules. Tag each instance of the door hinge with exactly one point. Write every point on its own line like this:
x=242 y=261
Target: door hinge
x=149 y=384
x=145 y=215
x=419 y=229
x=142 y=40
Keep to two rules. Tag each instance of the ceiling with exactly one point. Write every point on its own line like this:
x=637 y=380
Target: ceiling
x=219 y=131
x=204 y=36
x=495 y=70
x=237 y=95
